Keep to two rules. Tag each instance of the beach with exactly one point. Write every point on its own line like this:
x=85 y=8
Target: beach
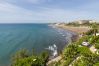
x=78 y=29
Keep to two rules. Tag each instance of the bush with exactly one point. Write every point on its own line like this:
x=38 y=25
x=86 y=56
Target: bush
x=84 y=50
x=96 y=64
x=21 y=58
x=70 y=53
x=94 y=39
x=91 y=32
x=97 y=45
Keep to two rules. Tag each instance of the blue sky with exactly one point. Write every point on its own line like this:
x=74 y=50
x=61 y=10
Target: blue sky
x=16 y=11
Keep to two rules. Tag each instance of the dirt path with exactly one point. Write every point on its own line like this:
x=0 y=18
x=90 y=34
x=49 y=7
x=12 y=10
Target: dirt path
x=55 y=60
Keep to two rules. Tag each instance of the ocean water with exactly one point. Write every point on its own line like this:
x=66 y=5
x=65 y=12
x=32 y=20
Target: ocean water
x=14 y=37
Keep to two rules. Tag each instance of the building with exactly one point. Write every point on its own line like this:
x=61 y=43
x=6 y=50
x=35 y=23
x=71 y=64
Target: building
x=84 y=21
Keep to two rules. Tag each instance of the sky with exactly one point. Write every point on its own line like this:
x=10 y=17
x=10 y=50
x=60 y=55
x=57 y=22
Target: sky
x=38 y=11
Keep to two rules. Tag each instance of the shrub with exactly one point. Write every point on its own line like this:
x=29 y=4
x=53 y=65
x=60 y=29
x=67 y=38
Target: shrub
x=21 y=58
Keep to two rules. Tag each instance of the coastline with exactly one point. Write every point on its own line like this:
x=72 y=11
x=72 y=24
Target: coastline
x=76 y=30
x=73 y=35
x=79 y=30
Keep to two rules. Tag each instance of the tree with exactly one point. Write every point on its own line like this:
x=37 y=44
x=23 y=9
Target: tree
x=44 y=56
x=94 y=27
x=19 y=55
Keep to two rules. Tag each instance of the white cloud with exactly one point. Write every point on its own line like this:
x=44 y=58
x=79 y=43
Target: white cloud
x=13 y=13
x=9 y=12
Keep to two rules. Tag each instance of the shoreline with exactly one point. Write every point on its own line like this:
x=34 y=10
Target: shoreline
x=75 y=34
x=76 y=30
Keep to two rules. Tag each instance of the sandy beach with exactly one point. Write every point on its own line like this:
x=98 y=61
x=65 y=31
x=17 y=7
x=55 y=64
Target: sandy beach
x=78 y=30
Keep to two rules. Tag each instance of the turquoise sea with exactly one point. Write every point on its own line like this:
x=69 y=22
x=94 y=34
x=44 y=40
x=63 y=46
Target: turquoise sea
x=14 y=37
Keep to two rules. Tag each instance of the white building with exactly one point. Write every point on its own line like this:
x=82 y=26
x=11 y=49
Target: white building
x=85 y=21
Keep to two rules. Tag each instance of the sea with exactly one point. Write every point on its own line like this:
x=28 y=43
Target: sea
x=31 y=36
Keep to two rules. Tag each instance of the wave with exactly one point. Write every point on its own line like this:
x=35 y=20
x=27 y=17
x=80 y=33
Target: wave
x=53 y=48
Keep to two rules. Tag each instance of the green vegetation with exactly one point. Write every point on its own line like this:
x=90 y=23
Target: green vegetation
x=87 y=60
x=70 y=53
x=97 y=45
x=94 y=40
x=22 y=58
x=94 y=27
x=97 y=64
x=91 y=32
